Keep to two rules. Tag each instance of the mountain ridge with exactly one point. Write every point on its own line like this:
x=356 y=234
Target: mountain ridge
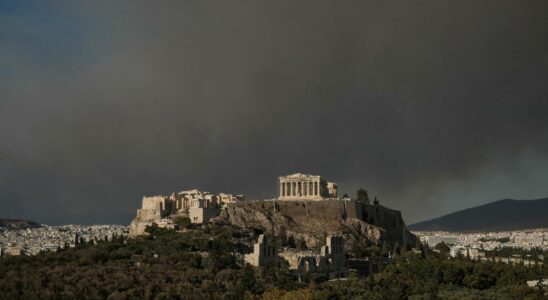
x=501 y=215
x=18 y=224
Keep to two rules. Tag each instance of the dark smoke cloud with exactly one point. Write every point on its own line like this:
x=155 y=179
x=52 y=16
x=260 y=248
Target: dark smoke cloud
x=432 y=106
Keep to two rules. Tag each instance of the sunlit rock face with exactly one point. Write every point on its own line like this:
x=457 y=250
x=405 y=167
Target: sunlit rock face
x=313 y=220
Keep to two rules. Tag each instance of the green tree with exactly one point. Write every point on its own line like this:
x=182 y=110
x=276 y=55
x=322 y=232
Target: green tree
x=396 y=249
x=404 y=240
x=362 y=195
x=291 y=243
x=301 y=244
x=183 y=222
x=385 y=250
x=442 y=248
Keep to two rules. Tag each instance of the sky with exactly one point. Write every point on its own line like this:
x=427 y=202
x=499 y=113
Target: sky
x=432 y=106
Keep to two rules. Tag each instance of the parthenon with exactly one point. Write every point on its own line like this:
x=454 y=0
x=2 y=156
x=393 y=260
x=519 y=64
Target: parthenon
x=306 y=187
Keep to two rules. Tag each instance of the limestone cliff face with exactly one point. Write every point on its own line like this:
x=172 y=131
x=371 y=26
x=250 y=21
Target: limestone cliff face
x=313 y=220
x=145 y=217
x=137 y=227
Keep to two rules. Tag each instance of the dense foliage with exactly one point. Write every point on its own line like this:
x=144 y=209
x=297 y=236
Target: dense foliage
x=536 y=254
x=203 y=263
x=436 y=277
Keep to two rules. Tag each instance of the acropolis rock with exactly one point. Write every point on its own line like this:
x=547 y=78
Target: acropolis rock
x=312 y=220
x=307 y=209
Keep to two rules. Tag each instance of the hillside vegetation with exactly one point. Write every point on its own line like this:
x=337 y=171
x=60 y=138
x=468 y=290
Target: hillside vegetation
x=204 y=263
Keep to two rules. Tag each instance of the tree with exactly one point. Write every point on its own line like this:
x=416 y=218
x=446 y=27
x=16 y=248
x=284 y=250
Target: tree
x=442 y=248
x=404 y=239
x=385 y=249
x=396 y=249
x=301 y=244
x=362 y=196
x=282 y=238
x=345 y=196
x=291 y=243
x=183 y=222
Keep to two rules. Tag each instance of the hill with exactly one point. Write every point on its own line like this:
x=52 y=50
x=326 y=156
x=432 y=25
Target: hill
x=507 y=214
x=308 y=221
x=312 y=220
x=17 y=224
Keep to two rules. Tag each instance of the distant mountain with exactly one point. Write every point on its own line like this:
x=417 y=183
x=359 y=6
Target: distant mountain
x=18 y=224
x=507 y=214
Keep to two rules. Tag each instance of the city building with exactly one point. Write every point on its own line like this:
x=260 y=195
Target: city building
x=31 y=241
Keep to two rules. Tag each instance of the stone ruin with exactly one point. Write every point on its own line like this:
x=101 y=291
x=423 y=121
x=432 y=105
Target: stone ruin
x=300 y=186
x=330 y=259
x=198 y=206
x=264 y=254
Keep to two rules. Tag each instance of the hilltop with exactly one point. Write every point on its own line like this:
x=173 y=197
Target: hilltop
x=303 y=221
x=507 y=214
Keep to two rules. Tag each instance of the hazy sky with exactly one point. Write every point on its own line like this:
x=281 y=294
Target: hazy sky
x=433 y=106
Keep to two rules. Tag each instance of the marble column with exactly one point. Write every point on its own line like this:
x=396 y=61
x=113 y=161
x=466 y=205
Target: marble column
x=287 y=189
x=319 y=188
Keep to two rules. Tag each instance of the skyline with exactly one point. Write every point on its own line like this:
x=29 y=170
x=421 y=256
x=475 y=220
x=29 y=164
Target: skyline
x=429 y=106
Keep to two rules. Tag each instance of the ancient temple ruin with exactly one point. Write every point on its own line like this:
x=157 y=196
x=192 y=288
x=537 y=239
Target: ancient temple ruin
x=306 y=187
x=199 y=206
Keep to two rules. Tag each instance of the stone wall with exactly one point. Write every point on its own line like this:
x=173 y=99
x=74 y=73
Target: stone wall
x=199 y=215
x=264 y=253
x=200 y=206
x=330 y=260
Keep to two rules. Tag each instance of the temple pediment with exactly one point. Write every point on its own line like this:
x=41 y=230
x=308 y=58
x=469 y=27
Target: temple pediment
x=299 y=175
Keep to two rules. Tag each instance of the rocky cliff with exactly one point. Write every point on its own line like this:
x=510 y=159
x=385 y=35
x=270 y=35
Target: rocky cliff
x=311 y=221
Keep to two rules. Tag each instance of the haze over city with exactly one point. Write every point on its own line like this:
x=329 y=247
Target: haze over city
x=431 y=106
